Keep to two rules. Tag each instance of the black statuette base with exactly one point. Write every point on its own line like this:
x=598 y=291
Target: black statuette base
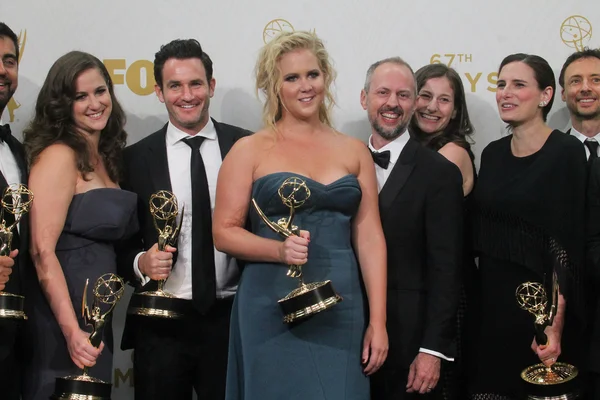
x=308 y=300
x=12 y=306
x=74 y=388
x=147 y=304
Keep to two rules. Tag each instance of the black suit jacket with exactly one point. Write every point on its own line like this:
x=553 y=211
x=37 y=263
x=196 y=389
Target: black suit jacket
x=146 y=171
x=592 y=276
x=9 y=327
x=421 y=207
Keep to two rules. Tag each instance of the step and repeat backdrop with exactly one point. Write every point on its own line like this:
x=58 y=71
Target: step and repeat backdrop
x=468 y=35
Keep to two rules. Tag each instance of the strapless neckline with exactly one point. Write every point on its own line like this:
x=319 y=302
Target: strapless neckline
x=333 y=183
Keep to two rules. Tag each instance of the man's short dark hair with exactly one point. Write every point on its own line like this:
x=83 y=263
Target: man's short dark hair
x=6 y=31
x=180 y=49
x=585 y=53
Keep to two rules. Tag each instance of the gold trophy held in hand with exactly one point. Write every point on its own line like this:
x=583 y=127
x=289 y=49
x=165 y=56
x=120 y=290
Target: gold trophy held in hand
x=16 y=200
x=308 y=298
x=553 y=382
x=160 y=303
x=107 y=291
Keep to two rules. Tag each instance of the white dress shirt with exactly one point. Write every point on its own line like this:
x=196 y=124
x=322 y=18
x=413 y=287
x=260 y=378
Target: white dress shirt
x=395 y=147
x=583 y=138
x=179 y=155
x=9 y=166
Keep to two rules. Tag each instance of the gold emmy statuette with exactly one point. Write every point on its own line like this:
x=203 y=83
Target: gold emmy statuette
x=545 y=383
x=308 y=298
x=159 y=303
x=16 y=200
x=108 y=289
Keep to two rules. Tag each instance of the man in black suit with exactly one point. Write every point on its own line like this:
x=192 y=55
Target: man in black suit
x=174 y=357
x=420 y=202
x=13 y=169
x=580 y=82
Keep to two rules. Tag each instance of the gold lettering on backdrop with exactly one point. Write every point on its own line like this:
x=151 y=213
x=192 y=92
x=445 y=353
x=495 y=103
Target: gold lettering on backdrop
x=136 y=84
x=13 y=104
x=473 y=81
x=470 y=79
x=138 y=76
x=112 y=65
x=124 y=378
x=493 y=79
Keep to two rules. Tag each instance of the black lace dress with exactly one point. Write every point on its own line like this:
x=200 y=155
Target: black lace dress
x=528 y=222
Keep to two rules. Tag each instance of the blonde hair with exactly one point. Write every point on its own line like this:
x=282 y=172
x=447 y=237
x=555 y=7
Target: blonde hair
x=269 y=79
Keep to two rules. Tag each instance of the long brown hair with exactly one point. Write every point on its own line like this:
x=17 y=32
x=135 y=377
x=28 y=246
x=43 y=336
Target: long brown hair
x=53 y=121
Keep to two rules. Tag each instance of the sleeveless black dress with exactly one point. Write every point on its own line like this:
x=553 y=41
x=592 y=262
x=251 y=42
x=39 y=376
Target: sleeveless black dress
x=95 y=220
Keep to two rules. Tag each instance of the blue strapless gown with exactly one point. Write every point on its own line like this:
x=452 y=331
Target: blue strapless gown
x=95 y=220
x=318 y=358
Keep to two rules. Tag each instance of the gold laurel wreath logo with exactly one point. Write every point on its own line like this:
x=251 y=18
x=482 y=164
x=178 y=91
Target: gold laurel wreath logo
x=576 y=32
x=275 y=27
x=14 y=104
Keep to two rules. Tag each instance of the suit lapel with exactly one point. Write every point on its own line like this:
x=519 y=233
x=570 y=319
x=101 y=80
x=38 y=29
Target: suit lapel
x=224 y=137
x=398 y=177
x=157 y=163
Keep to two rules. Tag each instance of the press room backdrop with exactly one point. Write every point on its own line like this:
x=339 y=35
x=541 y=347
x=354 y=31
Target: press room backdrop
x=471 y=36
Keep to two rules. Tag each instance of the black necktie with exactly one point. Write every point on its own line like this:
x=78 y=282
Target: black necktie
x=382 y=159
x=4 y=133
x=203 y=255
x=592 y=146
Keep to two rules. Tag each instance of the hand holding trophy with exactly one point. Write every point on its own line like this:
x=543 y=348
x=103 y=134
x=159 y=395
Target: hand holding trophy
x=16 y=200
x=543 y=380
x=159 y=303
x=307 y=299
x=107 y=291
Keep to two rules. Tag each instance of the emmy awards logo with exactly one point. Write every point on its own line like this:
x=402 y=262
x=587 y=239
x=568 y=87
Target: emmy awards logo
x=307 y=299
x=274 y=28
x=12 y=103
x=159 y=303
x=16 y=202
x=544 y=380
x=107 y=291
x=576 y=32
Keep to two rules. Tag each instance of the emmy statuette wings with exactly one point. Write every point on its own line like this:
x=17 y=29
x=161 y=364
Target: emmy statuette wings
x=108 y=290
x=16 y=201
x=556 y=381
x=308 y=298
x=159 y=303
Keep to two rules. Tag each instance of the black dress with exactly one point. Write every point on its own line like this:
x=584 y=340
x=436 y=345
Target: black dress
x=528 y=221
x=95 y=220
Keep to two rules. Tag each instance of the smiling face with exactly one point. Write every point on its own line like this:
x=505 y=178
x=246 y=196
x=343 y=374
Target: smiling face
x=435 y=105
x=92 y=104
x=518 y=96
x=303 y=85
x=9 y=69
x=390 y=100
x=186 y=93
x=582 y=88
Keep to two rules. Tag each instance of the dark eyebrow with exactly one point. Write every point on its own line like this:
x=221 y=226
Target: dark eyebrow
x=519 y=81
x=10 y=56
